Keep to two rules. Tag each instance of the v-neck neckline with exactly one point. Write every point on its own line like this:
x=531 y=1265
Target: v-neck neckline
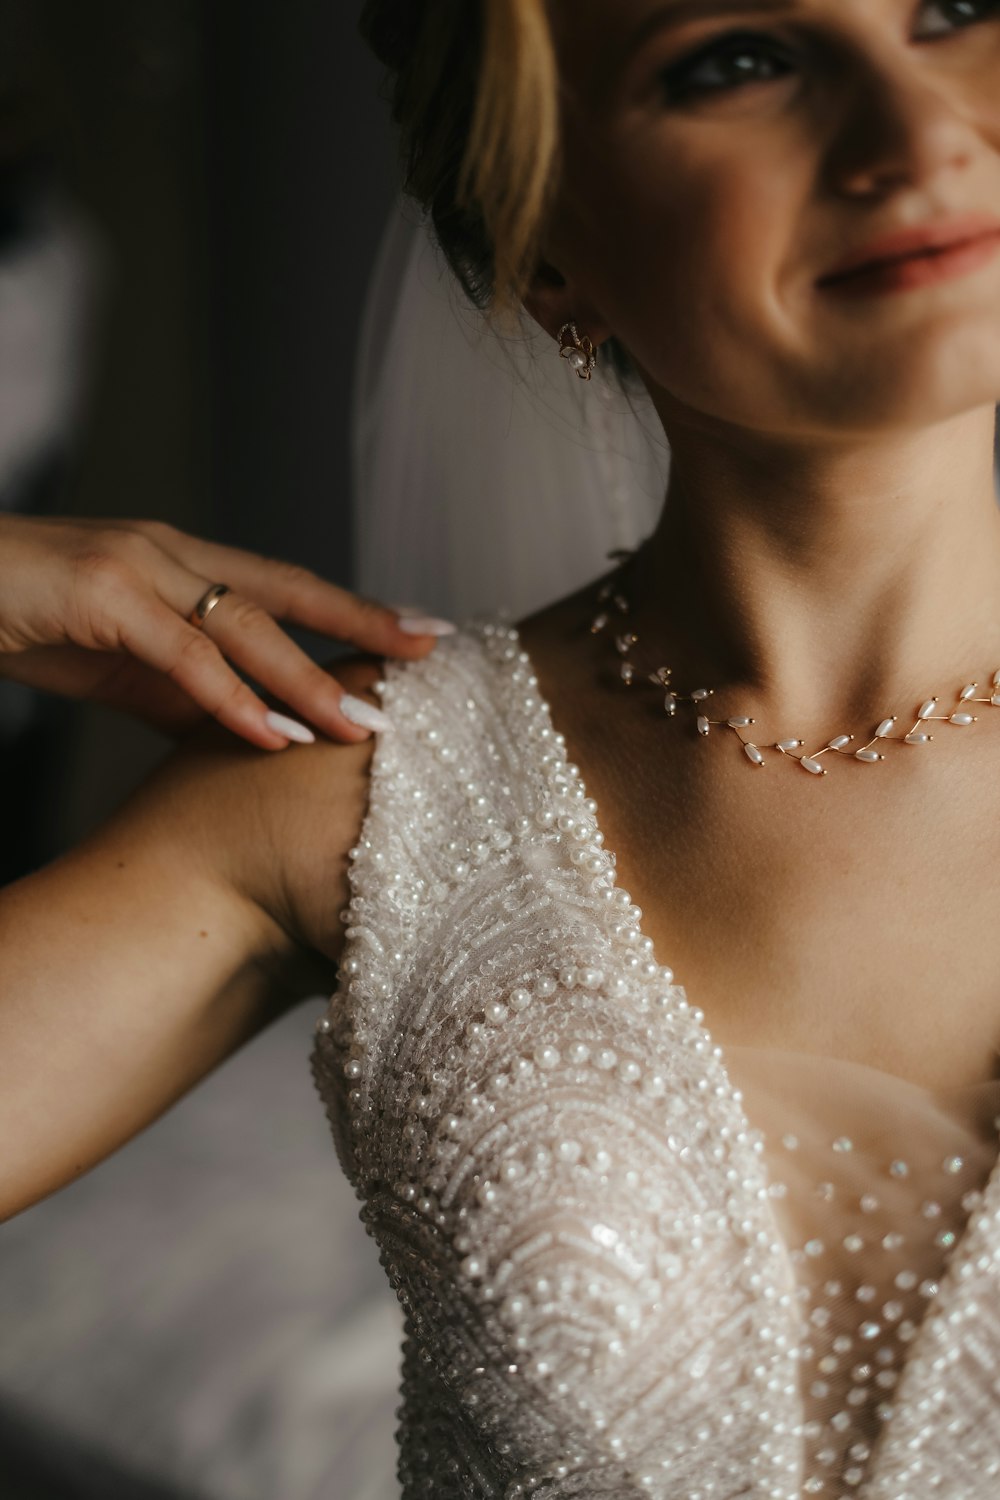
x=949 y=1283
x=556 y=735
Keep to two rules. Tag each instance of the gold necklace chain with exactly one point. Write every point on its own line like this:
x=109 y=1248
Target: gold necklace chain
x=613 y=603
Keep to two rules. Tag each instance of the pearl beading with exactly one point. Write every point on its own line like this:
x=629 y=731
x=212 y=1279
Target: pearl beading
x=611 y=594
x=578 y=352
x=548 y=1146
x=871 y=1257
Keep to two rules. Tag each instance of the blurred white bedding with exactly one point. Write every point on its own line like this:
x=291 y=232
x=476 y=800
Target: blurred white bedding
x=205 y=1308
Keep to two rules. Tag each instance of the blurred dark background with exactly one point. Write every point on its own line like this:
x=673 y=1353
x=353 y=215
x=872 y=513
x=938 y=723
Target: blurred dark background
x=229 y=167
x=191 y=196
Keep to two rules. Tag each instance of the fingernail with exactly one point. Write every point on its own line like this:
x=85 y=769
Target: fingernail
x=290 y=728
x=358 y=711
x=426 y=625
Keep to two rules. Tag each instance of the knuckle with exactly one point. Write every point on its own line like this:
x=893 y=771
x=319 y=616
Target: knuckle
x=370 y=614
x=101 y=571
x=316 y=685
x=234 y=695
x=194 y=650
x=294 y=577
x=155 y=531
x=246 y=616
x=291 y=584
x=101 y=599
x=114 y=551
x=135 y=547
x=369 y=606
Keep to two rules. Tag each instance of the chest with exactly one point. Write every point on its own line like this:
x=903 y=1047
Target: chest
x=851 y=917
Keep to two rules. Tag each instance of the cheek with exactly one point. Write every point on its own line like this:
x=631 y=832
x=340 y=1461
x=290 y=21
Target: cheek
x=694 y=272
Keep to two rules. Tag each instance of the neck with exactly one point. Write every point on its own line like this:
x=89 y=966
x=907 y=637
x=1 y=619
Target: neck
x=826 y=585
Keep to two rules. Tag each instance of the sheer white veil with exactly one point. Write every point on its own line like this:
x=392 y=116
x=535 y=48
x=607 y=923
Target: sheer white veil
x=486 y=475
x=51 y=279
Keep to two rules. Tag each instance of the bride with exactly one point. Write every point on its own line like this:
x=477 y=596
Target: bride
x=661 y=926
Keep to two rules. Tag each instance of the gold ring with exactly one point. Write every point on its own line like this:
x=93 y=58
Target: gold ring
x=207 y=603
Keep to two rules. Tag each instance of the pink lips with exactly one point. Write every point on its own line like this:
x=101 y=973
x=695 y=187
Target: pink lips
x=912 y=257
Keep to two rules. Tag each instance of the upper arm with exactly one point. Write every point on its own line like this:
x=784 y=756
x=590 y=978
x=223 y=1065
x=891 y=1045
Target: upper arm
x=134 y=964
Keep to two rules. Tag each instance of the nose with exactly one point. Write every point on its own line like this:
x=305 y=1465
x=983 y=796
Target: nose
x=899 y=128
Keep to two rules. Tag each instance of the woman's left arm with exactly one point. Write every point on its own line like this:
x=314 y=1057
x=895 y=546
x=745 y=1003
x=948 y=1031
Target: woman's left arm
x=136 y=963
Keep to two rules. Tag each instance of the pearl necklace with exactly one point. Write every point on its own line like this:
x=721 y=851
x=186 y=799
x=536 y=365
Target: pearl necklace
x=611 y=600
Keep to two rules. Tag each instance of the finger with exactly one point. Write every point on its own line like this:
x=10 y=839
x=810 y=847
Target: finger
x=132 y=687
x=245 y=634
x=186 y=656
x=109 y=677
x=289 y=592
x=70 y=671
x=248 y=637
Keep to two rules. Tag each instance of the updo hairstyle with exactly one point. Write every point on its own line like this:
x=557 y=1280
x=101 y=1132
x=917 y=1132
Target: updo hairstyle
x=473 y=88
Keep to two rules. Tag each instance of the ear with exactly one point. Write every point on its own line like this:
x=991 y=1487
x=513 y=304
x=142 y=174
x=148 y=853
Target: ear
x=552 y=302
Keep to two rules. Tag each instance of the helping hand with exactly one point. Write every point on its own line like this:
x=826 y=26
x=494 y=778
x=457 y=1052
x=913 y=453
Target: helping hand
x=101 y=610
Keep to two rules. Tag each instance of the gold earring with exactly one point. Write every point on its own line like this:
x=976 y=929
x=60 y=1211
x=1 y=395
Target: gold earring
x=580 y=352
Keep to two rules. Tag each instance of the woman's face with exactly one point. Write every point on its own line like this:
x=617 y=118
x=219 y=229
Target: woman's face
x=722 y=156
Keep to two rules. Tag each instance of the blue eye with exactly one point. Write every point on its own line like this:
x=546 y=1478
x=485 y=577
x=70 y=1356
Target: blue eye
x=730 y=62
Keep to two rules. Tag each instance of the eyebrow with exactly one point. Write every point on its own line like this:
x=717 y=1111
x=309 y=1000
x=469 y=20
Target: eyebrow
x=692 y=10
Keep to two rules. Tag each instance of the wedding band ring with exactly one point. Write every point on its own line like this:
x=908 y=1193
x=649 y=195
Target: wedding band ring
x=207 y=603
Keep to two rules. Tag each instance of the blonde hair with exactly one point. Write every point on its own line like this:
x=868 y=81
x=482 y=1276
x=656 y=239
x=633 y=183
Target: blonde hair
x=474 y=90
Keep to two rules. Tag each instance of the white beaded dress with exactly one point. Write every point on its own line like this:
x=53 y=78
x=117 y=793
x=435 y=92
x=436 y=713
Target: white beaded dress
x=630 y=1265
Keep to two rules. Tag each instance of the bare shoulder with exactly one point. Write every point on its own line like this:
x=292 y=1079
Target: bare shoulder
x=283 y=823
x=316 y=817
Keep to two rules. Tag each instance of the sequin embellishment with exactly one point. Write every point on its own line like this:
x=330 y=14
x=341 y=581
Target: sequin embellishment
x=587 y=1235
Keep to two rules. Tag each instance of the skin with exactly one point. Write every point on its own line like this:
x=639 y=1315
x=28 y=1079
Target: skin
x=100 y=610
x=829 y=553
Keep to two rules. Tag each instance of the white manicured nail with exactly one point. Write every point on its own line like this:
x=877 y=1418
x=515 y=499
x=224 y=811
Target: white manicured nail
x=363 y=713
x=290 y=728
x=426 y=625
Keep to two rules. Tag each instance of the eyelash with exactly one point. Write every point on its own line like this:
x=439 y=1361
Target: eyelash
x=679 y=79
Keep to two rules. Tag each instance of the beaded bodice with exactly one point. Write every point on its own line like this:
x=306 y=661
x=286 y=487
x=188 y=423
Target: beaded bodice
x=630 y=1265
